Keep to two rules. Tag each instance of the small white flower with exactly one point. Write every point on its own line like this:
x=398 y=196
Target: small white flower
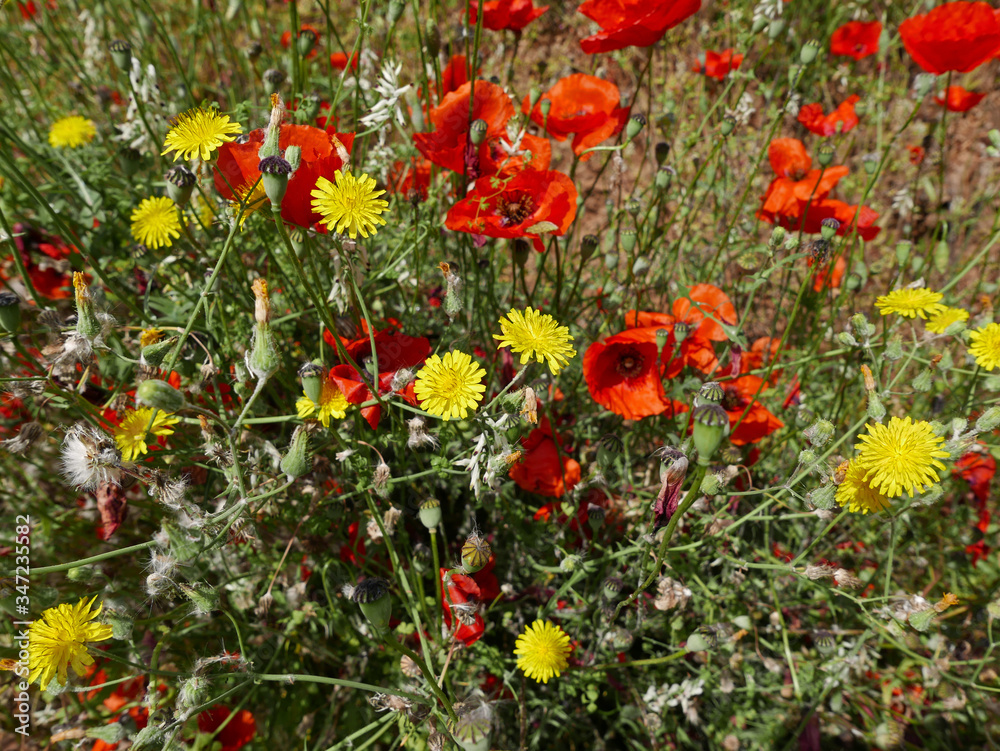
x=390 y=91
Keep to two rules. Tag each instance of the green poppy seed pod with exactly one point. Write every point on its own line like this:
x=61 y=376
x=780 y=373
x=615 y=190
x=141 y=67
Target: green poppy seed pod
x=153 y=354
x=298 y=239
x=306 y=41
x=472 y=731
x=989 y=420
x=903 y=248
x=809 y=51
x=477 y=131
x=476 y=553
x=610 y=261
x=396 y=9
x=662 y=337
x=633 y=206
x=430 y=513
x=730 y=455
x=627 y=238
x=662 y=151
x=544 y=106
x=870 y=163
x=826 y=154
x=311 y=374
x=274 y=172
x=180 y=184
x=588 y=245
x=372 y=596
x=10 y=312
x=775 y=27
x=596 y=516
x=681 y=331
x=432 y=38
x=664 y=176
x=634 y=125
x=728 y=125
x=296 y=461
x=828 y=228
x=819 y=433
x=273 y=78
x=758 y=24
x=121 y=54
x=308 y=109
x=159 y=395
x=711 y=393
x=711 y=424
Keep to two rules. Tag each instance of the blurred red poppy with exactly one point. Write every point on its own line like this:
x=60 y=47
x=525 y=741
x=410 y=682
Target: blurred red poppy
x=234 y=736
x=978 y=469
x=544 y=467
x=454 y=74
x=633 y=23
x=47 y=259
x=856 y=39
x=529 y=204
x=840 y=120
x=410 y=179
x=505 y=14
x=739 y=402
x=462 y=593
x=718 y=64
x=796 y=183
x=338 y=60
x=394 y=350
x=286 y=39
x=958 y=99
x=582 y=105
x=957 y=36
x=353 y=551
x=322 y=152
x=827 y=277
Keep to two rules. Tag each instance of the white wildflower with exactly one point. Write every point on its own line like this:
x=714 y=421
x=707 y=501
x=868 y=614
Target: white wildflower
x=390 y=92
x=902 y=202
x=744 y=109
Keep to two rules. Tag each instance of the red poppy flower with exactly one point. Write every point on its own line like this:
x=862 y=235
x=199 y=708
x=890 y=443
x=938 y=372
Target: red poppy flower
x=917 y=154
x=706 y=300
x=978 y=470
x=696 y=349
x=489 y=585
x=505 y=14
x=544 y=467
x=321 y=156
x=840 y=120
x=286 y=39
x=831 y=209
x=234 y=736
x=718 y=64
x=739 y=401
x=455 y=74
x=338 y=60
x=583 y=105
x=856 y=39
x=829 y=278
x=796 y=183
x=46 y=258
x=623 y=374
x=958 y=37
x=462 y=593
x=410 y=180
x=633 y=23
x=526 y=205
x=958 y=99
x=762 y=352
x=393 y=349
x=353 y=551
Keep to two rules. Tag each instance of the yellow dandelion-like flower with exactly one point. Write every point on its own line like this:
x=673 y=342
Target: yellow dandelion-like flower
x=332 y=403
x=538 y=335
x=72 y=131
x=910 y=302
x=58 y=640
x=946 y=317
x=900 y=456
x=131 y=434
x=542 y=651
x=254 y=197
x=450 y=386
x=985 y=346
x=858 y=495
x=150 y=336
x=155 y=222
x=199 y=132
x=350 y=203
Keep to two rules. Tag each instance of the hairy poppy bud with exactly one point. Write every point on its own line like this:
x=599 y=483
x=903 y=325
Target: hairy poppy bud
x=430 y=513
x=311 y=374
x=372 y=596
x=819 y=433
x=711 y=424
x=180 y=184
x=588 y=245
x=10 y=312
x=274 y=173
x=634 y=125
x=476 y=553
x=153 y=354
x=121 y=53
x=159 y=395
x=296 y=462
x=863 y=329
x=477 y=131
x=989 y=420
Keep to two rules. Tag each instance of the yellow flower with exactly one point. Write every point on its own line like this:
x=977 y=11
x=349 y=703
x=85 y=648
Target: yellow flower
x=58 y=640
x=349 y=203
x=945 y=602
x=450 y=386
x=150 y=336
x=253 y=196
x=910 y=302
x=538 y=335
x=155 y=223
x=900 y=456
x=71 y=132
x=946 y=317
x=542 y=651
x=332 y=403
x=858 y=495
x=131 y=434
x=199 y=132
x=985 y=346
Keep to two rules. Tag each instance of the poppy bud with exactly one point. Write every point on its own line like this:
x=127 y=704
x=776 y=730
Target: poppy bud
x=627 y=239
x=588 y=245
x=430 y=513
x=728 y=125
x=193 y=691
x=10 y=312
x=903 y=252
x=828 y=228
x=819 y=433
x=775 y=28
x=826 y=154
x=477 y=131
x=396 y=9
x=823 y=497
x=311 y=375
x=153 y=354
x=634 y=125
x=432 y=38
x=662 y=151
x=274 y=172
x=180 y=184
x=758 y=24
x=273 y=78
x=159 y=395
x=306 y=41
x=372 y=596
x=870 y=162
x=845 y=338
x=545 y=105
x=777 y=238
x=522 y=252
x=711 y=424
x=809 y=51
x=253 y=50
x=121 y=53
x=863 y=329
x=296 y=462
x=596 y=516
x=710 y=393
x=130 y=160
x=476 y=553
x=308 y=109
x=664 y=176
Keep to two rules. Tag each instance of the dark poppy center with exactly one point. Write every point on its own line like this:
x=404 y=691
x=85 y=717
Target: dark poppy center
x=731 y=399
x=514 y=207
x=799 y=174
x=630 y=363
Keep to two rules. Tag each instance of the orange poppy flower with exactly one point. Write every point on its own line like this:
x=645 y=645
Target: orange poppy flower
x=338 y=60
x=840 y=120
x=234 y=736
x=856 y=39
x=237 y=167
x=454 y=74
x=739 y=401
x=826 y=277
x=706 y=300
x=286 y=39
x=696 y=350
x=527 y=204
x=796 y=183
x=957 y=36
x=977 y=469
x=544 y=468
x=44 y=256
x=582 y=105
x=762 y=352
x=958 y=99
x=633 y=23
x=410 y=179
x=623 y=374
x=917 y=154
x=829 y=208
x=505 y=14
x=717 y=65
